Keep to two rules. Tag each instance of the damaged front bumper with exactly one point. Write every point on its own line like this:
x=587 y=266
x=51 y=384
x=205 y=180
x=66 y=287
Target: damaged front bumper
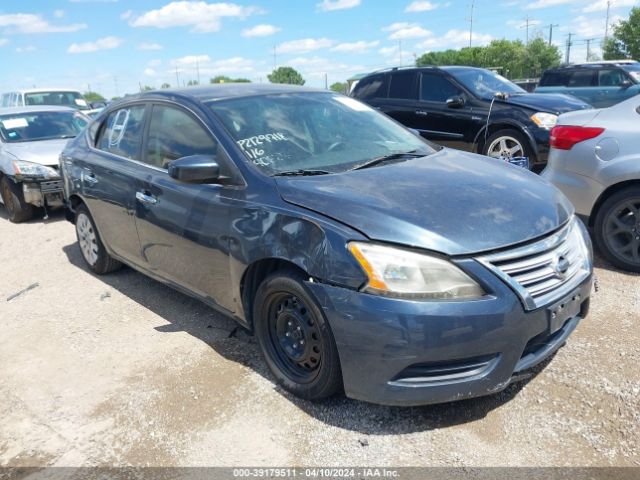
x=45 y=193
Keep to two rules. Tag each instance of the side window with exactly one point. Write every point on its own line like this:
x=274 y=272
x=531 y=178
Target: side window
x=175 y=134
x=371 y=87
x=121 y=133
x=402 y=85
x=556 y=78
x=611 y=78
x=436 y=88
x=581 y=78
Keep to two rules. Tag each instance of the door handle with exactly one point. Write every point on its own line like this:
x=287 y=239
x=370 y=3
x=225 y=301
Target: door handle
x=145 y=198
x=422 y=113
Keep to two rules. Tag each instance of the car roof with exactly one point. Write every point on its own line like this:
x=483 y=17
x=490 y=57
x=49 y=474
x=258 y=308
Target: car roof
x=42 y=90
x=446 y=68
x=225 y=91
x=33 y=109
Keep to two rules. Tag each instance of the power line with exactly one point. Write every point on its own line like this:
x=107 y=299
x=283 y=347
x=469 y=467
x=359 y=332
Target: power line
x=527 y=23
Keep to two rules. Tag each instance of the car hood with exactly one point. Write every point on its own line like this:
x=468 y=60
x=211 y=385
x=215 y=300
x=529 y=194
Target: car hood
x=451 y=202
x=548 y=102
x=44 y=152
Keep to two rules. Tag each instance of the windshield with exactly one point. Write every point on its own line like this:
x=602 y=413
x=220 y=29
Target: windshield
x=67 y=99
x=485 y=83
x=634 y=71
x=312 y=131
x=29 y=127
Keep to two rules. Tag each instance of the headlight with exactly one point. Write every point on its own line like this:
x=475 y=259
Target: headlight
x=400 y=273
x=545 y=120
x=28 y=169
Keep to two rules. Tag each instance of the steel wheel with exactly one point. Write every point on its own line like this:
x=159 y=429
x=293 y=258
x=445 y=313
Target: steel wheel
x=505 y=148
x=294 y=337
x=621 y=231
x=87 y=239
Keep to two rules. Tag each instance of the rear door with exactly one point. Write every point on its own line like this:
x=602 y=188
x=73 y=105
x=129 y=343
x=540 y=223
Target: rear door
x=401 y=101
x=108 y=179
x=583 y=84
x=183 y=227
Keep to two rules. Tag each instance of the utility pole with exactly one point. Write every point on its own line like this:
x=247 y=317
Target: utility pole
x=326 y=83
x=527 y=21
x=471 y=23
x=606 y=25
x=569 y=44
x=274 y=58
x=551 y=31
x=589 y=40
x=177 y=77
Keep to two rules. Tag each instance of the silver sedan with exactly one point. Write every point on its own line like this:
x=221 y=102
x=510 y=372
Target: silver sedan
x=31 y=139
x=595 y=161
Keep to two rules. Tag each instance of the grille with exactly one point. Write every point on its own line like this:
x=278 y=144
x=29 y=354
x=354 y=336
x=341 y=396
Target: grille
x=547 y=269
x=51 y=187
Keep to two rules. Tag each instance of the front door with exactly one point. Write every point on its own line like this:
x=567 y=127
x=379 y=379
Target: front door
x=183 y=227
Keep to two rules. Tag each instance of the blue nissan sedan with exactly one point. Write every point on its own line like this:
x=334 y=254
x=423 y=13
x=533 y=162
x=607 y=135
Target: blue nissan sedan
x=362 y=257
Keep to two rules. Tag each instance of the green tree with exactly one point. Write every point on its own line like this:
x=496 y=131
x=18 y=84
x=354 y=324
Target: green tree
x=540 y=56
x=165 y=85
x=286 y=75
x=145 y=88
x=93 y=97
x=625 y=41
x=340 y=87
x=192 y=83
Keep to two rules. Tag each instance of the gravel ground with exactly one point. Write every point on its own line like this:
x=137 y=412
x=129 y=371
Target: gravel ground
x=121 y=370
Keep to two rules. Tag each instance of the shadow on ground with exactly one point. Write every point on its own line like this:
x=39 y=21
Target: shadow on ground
x=184 y=314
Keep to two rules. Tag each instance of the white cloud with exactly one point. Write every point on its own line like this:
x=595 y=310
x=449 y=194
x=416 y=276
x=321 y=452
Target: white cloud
x=405 y=30
x=31 y=23
x=106 y=43
x=58 y=13
x=329 y=5
x=3 y=41
x=590 y=27
x=304 y=45
x=262 y=30
x=601 y=5
x=155 y=62
x=200 y=15
x=149 y=46
x=190 y=61
x=421 y=6
x=547 y=3
x=28 y=48
x=202 y=64
x=515 y=23
x=454 y=39
x=314 y=69
x=355 y=47
x=150 y=72
x=388 y=51
x=126 y=15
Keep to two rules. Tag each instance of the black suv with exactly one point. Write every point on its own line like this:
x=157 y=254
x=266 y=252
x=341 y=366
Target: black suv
x=600 y=84
x=468 y=108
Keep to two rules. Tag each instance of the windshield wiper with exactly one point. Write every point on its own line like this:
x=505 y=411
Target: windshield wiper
x=389 y=157
x=301 y=173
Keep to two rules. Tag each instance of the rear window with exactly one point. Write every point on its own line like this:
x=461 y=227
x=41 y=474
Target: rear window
x=403 y=85
x=374 y=86
x=555 y=79
x=65 y=99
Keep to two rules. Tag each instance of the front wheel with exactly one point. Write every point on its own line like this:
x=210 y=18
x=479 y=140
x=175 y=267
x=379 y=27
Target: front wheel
x=13 y=199
x=91 y=246
x=508 y=144
x=617 y=229
x=295 y=338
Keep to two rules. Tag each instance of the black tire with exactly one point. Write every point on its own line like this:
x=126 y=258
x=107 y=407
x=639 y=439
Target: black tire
x=91 y=246
x=511 y=135
x=617 y=229
x=285 y=314
x=13 y=199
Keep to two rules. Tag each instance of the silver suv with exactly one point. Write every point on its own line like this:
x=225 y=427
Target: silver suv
x=595 y=161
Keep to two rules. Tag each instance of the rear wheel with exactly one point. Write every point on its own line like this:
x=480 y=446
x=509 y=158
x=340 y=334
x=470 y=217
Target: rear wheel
x=617 y=229
x=13 y=199
x=295 y=338
x=91 y=246
x=508 y=144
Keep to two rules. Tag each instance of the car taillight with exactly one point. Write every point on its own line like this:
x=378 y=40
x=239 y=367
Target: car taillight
x=564 y=137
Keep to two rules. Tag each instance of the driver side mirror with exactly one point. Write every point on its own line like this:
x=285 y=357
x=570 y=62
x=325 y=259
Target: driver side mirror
x=195 y=169
x=625 y=84
x=455 y=102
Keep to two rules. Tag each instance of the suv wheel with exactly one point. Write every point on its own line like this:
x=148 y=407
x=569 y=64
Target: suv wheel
x=617 y=229
x=295 y=338
x=92 y=248
x=507 y=144
x=13 y=199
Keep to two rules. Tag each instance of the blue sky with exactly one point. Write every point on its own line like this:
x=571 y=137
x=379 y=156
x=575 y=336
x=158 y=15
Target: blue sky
x=116 y=45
